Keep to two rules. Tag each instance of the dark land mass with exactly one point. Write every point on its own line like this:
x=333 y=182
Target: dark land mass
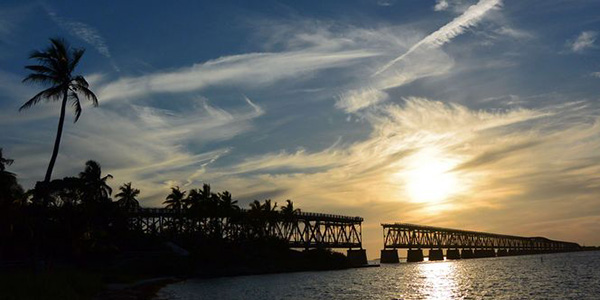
x=138 y=270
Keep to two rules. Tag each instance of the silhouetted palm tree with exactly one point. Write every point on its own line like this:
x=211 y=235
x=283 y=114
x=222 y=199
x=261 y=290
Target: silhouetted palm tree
x=55 y=67
x=288 y=210
x=127 y=197
x=255 y=207
x=175 y=200
x=227 y=204
x=269 y=207
x=94 y=186
x=192 y=201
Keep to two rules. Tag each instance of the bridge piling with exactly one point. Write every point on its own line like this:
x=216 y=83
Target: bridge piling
x=389 y=256
x=436 y=254
x=357 y=257
x=414 y=255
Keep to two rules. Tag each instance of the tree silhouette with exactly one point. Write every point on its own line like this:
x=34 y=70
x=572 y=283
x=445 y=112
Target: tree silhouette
x=55 y=68
x=94 y=186
x=10 y=190
x=288 y=210
x=209 y=201
x=227 y=204
x=176 y=199
x=127 y=197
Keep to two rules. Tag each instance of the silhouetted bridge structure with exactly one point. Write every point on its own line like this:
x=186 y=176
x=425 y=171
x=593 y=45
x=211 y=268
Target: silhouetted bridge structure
x=460 y=243
x=303 y=230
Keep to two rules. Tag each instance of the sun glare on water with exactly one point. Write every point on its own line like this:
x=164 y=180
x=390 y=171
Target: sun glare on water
x=429 y=177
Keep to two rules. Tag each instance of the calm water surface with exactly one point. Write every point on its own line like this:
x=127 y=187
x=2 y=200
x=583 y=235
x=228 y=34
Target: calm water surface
x=558 y=276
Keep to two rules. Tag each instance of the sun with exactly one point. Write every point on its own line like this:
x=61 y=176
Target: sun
x=429 y=177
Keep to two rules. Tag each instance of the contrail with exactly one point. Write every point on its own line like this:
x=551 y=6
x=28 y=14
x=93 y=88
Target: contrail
x=469 y=18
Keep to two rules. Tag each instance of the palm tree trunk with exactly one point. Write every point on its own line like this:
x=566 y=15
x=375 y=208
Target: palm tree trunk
x=61 y=122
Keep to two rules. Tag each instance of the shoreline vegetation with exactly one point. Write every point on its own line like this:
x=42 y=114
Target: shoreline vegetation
x=68 y=239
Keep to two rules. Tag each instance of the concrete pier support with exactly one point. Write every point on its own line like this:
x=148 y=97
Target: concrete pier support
x=452 y=254
x=466 y=254
x=414 y=255
x=502 y=252
x=357 y=257
x=436 y=254
x=389 y=256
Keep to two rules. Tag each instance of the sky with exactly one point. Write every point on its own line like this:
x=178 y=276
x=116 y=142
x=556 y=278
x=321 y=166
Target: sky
x=480 y=115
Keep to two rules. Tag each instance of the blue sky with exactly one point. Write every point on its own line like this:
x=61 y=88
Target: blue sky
x=474 y=114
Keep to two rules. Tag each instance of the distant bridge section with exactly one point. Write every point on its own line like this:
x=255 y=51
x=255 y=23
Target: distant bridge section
x=472 y=243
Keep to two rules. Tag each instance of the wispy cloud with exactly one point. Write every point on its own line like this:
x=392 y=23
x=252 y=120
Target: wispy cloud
x=440 y=5
x=83 y=31
x=86 y=33
x=584 y=41
x=447 y=32
x=252 y=69
x=356 y=100
x=513 y=32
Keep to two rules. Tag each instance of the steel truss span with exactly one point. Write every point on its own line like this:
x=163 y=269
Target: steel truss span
x=302 y=230
x=411 y=236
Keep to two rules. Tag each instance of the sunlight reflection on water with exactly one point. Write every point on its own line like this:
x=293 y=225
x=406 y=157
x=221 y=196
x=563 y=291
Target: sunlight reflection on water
x=559 y=276
x=439 y=281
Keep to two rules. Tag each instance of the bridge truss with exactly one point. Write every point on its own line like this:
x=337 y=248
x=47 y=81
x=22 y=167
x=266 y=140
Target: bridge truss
x=301 y=230
x=411 y=236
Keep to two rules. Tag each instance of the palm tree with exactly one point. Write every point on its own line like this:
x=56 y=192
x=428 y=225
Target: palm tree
x=175 y=199
x=255 y=207
x=269 y=208
x=288 y=210
x=192 y=201
x=227 y=204
x=55 y=68
x=94 y=186
x=209 y=200
x=127 y=197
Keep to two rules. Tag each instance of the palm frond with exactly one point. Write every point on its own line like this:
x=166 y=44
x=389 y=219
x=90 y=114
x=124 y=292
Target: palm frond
x=61 y=46
x=40 y=55
x=81 y=81
x=49 y=93
x=76 y=105
x=86 y=93
x=77 y=54
x=41 y=69
x=41 y=78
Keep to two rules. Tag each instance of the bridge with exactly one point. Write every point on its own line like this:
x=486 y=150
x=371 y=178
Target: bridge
x=303 y=230
x=460 y=243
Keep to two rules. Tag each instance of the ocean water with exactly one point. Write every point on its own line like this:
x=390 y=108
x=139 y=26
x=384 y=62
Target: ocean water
x=550 y=276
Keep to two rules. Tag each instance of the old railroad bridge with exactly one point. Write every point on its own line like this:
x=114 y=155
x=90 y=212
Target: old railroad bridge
x=460 y=243
x=307 y=230
x=302 y=230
